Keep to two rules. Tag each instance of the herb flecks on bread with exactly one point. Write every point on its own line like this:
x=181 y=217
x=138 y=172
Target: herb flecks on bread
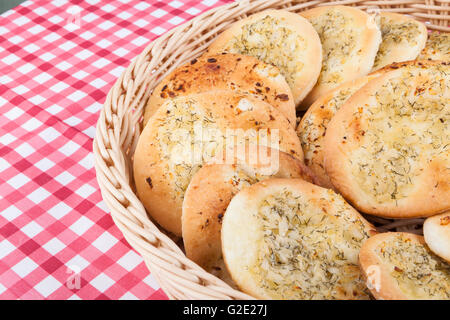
x=189 y=131
x=313 y=125
x=419 y=273
x=403 y=39
x=437 y=47
x=405 y=128
x=235 y=72
x=295 y=253
x=387 y=148
x=183 y=117
x=281 y=38
x=302 y=242
x=350 y=40
x=338 y=39
x=270 y=41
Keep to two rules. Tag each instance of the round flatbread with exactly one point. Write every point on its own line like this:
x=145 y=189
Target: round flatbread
x=400 y=266
x=403 y=38
x=436 y=231
x=188 y=131
x=437 y=47
x=350 y=40
x=313 y=126
x=387 y=150
x=211 y=190
x=281 y=38
x=290 y=239
x=244 y=74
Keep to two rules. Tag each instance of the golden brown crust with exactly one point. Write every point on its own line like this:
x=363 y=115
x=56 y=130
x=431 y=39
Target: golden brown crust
x=391 y=264
x=313 y=125
x=273 y=251
x=377 y=167
x=350 y=40
x=236 y=72
x=436 y=231
x=281 y=38
x=404 y=64
x=188 y=131
x=208 y=195
x=403 y=38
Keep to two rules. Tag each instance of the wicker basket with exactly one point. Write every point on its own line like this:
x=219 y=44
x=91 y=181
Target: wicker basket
x=118 y=129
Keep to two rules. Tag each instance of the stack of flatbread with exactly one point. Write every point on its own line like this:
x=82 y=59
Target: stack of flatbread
x=287 y=209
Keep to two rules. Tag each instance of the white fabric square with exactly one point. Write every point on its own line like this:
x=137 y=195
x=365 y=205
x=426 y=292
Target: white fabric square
x=21 y=89
x=38 y=195
x=64 y=65
x=77 y=262
x=32 y=124
x=36 y=29
x=102 y=282
x=105 y=242
x=47 y=56
x=24 y=149
x=81 y=225
x=12 y=58
x=85 y=191
x=25 y=267
x=87 y=162
x=49 y=134
x=31 y=48
x=69 y=148
x=106 y=25
x=66 y=46
x=14 y=113
x=59 y=86
x=100 y=63
x=37 y=100
x=42 y=77
x=27 y=67
x=47 y=286
x=44 y=164
x=32 y=229
x=158 y=13
x=18 y=181
x=158 y=30
x=11 y=213
x=60 y=210
x=54 y=246
x=6 y=248
x=64 y=178
x=54 y=109
x=130 y=260
x=77 y=96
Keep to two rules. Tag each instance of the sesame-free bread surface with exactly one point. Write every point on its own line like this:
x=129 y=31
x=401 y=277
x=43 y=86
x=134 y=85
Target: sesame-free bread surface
x=244 y=74
x=400 y=266
x=290 y=239
x=437 y=47
x=403 y=38
x=281 y=38
x=189 y=131
x=387 y=148
x=436 y=231
x=350 y=40
x=211 y=190
x=313 y=125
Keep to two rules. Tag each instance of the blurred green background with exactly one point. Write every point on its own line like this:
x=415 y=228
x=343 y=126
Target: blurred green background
x=5 y=5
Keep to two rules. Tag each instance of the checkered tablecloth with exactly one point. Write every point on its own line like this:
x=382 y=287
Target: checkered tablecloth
x=58 y=60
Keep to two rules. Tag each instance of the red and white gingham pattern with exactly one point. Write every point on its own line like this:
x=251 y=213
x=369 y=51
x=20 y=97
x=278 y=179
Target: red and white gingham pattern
x=58 y=60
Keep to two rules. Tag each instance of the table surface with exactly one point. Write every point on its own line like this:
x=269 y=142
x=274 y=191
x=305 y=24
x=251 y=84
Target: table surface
x=58 y=60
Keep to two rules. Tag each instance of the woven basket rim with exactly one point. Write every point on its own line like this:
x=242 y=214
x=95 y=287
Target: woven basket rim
x=118 y=129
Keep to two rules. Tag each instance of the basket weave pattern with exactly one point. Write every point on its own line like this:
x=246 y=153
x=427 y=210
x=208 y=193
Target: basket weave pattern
x=119 y=126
